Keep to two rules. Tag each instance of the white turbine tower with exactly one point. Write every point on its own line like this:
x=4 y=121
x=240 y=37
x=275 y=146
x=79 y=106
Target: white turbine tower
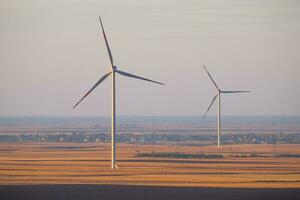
x=219 y=91
x=112 y=71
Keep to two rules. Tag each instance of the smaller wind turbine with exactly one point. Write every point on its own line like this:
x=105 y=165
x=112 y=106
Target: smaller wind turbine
x=219 y=91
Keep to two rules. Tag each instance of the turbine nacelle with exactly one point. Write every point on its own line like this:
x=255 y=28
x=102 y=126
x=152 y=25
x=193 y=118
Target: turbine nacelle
x=114 y=68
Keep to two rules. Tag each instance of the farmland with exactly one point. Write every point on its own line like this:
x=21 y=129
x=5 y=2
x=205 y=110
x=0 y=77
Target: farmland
x=89 y=163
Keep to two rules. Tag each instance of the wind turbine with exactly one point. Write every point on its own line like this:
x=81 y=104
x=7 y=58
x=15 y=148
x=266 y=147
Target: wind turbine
x=219 y=92
x=112 y=72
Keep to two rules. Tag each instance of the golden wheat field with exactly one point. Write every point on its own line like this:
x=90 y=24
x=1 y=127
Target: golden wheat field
x=66 y=163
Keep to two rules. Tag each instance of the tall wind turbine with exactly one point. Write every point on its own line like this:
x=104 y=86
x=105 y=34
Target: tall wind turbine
x=219 y=92
x=113 y=70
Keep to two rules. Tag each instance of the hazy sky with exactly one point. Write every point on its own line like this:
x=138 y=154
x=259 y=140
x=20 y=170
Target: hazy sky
x=52 y=52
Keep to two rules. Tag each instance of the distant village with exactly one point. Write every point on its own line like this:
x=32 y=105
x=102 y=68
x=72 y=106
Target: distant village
x=157 y=138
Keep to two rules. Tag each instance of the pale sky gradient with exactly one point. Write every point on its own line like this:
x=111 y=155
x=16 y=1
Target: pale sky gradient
x=52 y=52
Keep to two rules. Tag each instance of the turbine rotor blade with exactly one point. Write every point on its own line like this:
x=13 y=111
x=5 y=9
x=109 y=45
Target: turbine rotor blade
x=234 y=91
x=98 y=82
x=210 y=106
x=106 y=42
x=211 y=77
x=137 y=77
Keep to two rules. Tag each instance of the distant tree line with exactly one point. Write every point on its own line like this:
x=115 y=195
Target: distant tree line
x=177 y=155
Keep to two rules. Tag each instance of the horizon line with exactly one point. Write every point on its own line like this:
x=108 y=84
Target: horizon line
x=107 y=116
